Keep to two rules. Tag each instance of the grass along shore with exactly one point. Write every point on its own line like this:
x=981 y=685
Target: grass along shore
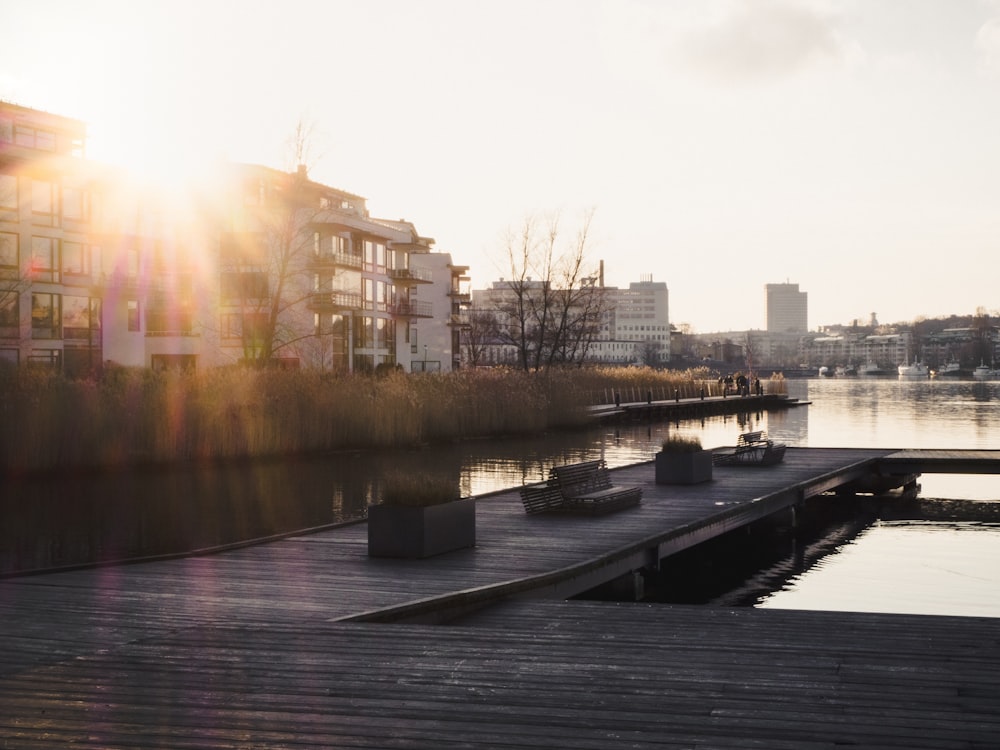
x=138 y=416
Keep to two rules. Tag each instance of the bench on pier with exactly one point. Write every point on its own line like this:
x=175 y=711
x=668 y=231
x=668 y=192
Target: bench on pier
x=752 y=449
x=579 y=488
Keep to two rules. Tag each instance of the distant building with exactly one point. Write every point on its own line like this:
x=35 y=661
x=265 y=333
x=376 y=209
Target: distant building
x=636 y=328
x=787 y=308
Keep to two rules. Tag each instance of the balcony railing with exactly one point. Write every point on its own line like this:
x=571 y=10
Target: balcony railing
x=407 y=276
x=333 y=301
x=412 y=309
x=337 y=260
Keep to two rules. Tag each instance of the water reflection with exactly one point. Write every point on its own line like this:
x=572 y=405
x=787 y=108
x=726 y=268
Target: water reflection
x=75 y=519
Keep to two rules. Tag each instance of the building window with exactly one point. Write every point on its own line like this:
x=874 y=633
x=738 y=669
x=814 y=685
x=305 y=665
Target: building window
x=166 y=321
x=10 y=307
x=363 y=331
x=46 y=315
x=76 y=258
x=46 y=358
x=43 y=140
x=9 y=265
x=244 y=285
x=81 y=317
x=8 y=195
x=133 y=315
x=43 y=202
x=74 y=203
x=44 y=259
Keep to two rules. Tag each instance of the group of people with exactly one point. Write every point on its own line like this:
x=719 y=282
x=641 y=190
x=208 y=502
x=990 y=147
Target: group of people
x=740 y=384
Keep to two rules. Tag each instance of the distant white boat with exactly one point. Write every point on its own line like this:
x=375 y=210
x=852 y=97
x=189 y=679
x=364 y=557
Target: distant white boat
x=870 y=369
x=982 y=372
x=846 y=371
x=824 y=372
x=915 y=370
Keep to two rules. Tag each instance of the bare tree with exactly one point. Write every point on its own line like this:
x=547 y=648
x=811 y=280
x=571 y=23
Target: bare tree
x=480 y=333
x=647 y=352
x=552 y=306
x=267 y=272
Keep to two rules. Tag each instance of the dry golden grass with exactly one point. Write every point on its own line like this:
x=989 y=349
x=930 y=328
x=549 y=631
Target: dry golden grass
x=136 y=415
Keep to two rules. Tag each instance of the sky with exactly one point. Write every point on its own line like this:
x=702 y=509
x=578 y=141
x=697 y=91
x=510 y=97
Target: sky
x=849 y=146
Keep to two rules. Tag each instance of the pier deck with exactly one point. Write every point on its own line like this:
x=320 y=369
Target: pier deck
x=256 y=647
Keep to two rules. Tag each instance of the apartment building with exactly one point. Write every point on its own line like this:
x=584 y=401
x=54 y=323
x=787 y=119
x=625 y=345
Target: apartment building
x=50 y=312
x=261 y=265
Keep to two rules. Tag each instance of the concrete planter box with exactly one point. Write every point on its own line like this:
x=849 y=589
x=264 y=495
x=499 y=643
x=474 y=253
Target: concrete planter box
x=684 y=468
x=404 y=531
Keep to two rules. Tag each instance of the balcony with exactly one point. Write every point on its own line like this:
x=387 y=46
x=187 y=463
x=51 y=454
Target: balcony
x=460 y=297
x=412 y=309
x=336 y=260
x=333 y=301
x=410 y=276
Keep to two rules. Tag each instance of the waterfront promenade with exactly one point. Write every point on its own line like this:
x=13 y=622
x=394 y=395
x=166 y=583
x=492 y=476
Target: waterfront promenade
x=279 y=645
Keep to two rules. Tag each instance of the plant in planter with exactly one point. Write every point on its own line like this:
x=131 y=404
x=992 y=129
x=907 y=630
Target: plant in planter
x=420 y=515
x=682 y=460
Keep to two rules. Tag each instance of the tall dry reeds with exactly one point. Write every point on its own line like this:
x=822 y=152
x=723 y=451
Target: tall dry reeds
x=131 y=416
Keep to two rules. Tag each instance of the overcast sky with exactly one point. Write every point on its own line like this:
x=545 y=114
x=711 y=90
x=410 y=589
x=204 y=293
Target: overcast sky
x=849 y=146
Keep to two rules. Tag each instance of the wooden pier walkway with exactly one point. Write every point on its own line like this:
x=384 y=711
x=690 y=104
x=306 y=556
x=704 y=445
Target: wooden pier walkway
x=279 y=645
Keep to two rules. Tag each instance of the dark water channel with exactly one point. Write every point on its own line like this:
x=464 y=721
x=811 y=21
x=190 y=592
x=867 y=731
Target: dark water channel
x=78 y=519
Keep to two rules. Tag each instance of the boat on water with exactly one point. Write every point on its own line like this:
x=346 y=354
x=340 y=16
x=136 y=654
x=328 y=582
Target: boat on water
x=982 y=372
x=843 y=371
x=872 y=369
x=949 y=369
x=825 y=372
x=914 y=370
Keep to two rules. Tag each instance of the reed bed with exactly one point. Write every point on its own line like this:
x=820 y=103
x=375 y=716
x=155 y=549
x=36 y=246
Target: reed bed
x=136 y=416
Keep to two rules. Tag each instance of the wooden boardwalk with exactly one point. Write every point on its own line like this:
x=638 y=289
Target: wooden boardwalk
x=265 y=647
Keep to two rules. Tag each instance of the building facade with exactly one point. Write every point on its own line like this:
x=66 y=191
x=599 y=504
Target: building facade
x=622 y=326
x=267 y=266
x=50 y=242
x=787 y=309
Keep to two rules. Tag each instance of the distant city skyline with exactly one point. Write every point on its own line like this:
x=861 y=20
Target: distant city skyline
x=847 y=145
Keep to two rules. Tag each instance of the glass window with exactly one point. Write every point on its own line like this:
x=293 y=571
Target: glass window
x=45 y=140
x=8 y=251
x=80 y=316
x=74 y=203
x=43 y=259
x=43 y=200
x=133 y=315
x=46 y=315
x=8 y=192
x=10 y=309
x=76 y=258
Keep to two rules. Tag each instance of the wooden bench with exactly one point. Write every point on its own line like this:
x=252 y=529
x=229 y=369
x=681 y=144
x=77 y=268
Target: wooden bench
x=541 y=498
x=579 y=488
x=587 y=487
x=752 y=449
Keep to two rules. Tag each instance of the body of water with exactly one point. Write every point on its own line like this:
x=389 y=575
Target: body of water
x=82 y=518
